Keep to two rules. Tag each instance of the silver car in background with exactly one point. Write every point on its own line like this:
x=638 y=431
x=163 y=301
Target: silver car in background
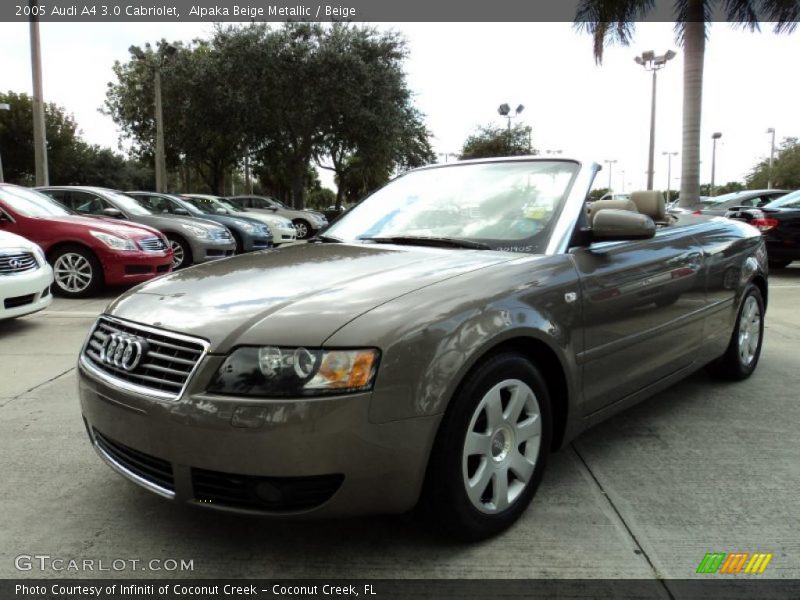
x=306 y=222
x=193 y=240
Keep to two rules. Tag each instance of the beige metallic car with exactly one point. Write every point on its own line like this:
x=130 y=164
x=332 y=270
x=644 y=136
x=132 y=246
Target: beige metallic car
x=434 y=345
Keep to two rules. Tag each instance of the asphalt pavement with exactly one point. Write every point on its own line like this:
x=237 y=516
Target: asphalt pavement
x=702 y=467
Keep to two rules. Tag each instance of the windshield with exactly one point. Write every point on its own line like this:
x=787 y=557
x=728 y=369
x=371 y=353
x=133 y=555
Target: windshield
x=712 y=200
x=227 y=205
x=31 y=204
x=126 y=203
x=504 y=205
x=788 y=201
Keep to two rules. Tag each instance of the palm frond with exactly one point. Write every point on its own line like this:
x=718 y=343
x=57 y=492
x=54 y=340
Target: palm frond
x=785 y=14
x=610 y=21
x=691 y=11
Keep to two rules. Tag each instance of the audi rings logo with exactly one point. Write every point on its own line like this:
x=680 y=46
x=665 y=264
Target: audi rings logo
x=123 y=351
x=15 y=263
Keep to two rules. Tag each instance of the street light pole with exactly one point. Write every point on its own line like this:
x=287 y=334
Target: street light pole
x=164 y=52
x=39 y=132
x=504 y=110
x=653 y=63
x=610 y=166
x=771 y=157
x=715 y=136
x=3 y=106
x=669 y=156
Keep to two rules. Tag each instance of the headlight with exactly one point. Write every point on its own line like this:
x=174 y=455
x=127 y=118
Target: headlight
x=247 y=227
x=114 y=242
x=271 y=371
x=39 y=254
x=198 y=232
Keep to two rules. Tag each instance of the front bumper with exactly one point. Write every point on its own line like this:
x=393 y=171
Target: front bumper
x=122 y=268
x=305 y=457
x=208 y=250
x=26 y=292
x=283 y=235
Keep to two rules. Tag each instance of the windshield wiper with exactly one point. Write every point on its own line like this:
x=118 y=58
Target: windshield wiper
x=428 y=241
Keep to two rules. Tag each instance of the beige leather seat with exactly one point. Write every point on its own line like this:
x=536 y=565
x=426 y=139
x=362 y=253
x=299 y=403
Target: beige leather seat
x=652 y=204
x=618 y=204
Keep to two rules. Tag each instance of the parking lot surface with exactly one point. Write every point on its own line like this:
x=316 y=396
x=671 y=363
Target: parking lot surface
x=702 y=467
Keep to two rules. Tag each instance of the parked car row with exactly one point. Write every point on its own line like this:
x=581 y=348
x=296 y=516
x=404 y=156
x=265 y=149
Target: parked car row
x=84 y=238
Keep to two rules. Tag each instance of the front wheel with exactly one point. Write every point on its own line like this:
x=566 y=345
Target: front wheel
x=491 y=449
x=744 y=350
x=76 y=271
x=302 y=228
x=181 y=252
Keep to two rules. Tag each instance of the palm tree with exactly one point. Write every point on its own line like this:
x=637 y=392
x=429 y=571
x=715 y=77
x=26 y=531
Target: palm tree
x=613 y=21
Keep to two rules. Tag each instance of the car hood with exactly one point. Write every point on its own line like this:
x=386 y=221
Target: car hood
x=171 y=221
x=107 y=225
x=12 y=240
x=298 y=295
x=268 y=218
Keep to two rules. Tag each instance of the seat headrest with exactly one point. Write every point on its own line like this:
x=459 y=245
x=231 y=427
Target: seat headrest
x=618 y=204
x=650 y=203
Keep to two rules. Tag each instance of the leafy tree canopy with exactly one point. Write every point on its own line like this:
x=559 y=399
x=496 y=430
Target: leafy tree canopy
x=785 y=168
x=492 y=140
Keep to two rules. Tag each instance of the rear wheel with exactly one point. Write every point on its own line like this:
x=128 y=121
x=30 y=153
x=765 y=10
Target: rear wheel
x=77 y=272
x=744 y=350
x=302 y=228
x=491 y=449
x=181 y=252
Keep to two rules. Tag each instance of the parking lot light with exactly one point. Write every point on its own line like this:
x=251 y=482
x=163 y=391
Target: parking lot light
x=715 y=136
x=771 y=157
x=653 y=63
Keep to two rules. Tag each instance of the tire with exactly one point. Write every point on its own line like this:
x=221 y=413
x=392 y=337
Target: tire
x=779 y=264
x=303 y=229
x=502 y=382
x=182 y=253
x=77 y=272
x=239 y=245
x=741 y=357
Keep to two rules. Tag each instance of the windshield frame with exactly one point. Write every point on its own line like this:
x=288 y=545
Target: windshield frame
x=556 y=232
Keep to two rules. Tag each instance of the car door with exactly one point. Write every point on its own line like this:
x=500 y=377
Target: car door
x=642 y=304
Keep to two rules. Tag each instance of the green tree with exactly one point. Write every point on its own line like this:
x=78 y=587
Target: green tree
x=16 y=141
x=598 y=193
x=203 y=107
x=493 y=140
x=785 y=168
x=612 y=21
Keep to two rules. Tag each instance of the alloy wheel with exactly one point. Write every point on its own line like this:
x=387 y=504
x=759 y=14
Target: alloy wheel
x=301 y=229
x=749 y=330
x=502 y=446
x=73 y=272
x=178 y=255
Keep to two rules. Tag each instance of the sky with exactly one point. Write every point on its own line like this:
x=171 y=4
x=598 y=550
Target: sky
x=461 y=72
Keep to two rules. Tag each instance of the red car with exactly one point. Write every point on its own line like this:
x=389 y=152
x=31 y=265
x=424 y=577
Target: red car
x=85 y=252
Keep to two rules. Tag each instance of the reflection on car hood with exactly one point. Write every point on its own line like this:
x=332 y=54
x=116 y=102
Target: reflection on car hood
x=107 y=225
x=12 y=240
x=297 y=295
x=164 y=221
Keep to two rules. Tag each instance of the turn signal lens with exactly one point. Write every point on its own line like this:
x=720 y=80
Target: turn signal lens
x=345 y=369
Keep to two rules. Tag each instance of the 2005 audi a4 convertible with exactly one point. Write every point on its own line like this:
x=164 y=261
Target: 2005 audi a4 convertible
x=431 y=347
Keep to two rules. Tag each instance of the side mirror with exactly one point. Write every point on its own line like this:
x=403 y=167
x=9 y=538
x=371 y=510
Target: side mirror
x=181 y=211
x=614 y=224
x=272 y=208
x=112 y=212
x=220 y=211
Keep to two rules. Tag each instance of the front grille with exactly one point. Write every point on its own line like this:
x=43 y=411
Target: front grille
x=263 y=493
x=152 y=244
x=167 y=363
x=149 y=468
x=19 y=301
x=17 y=263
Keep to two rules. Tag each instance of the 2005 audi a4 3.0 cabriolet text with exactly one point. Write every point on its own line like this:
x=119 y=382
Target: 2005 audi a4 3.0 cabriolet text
x=431 y=347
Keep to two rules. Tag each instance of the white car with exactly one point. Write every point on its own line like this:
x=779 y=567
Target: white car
x=25 y=277
x=283 y=229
